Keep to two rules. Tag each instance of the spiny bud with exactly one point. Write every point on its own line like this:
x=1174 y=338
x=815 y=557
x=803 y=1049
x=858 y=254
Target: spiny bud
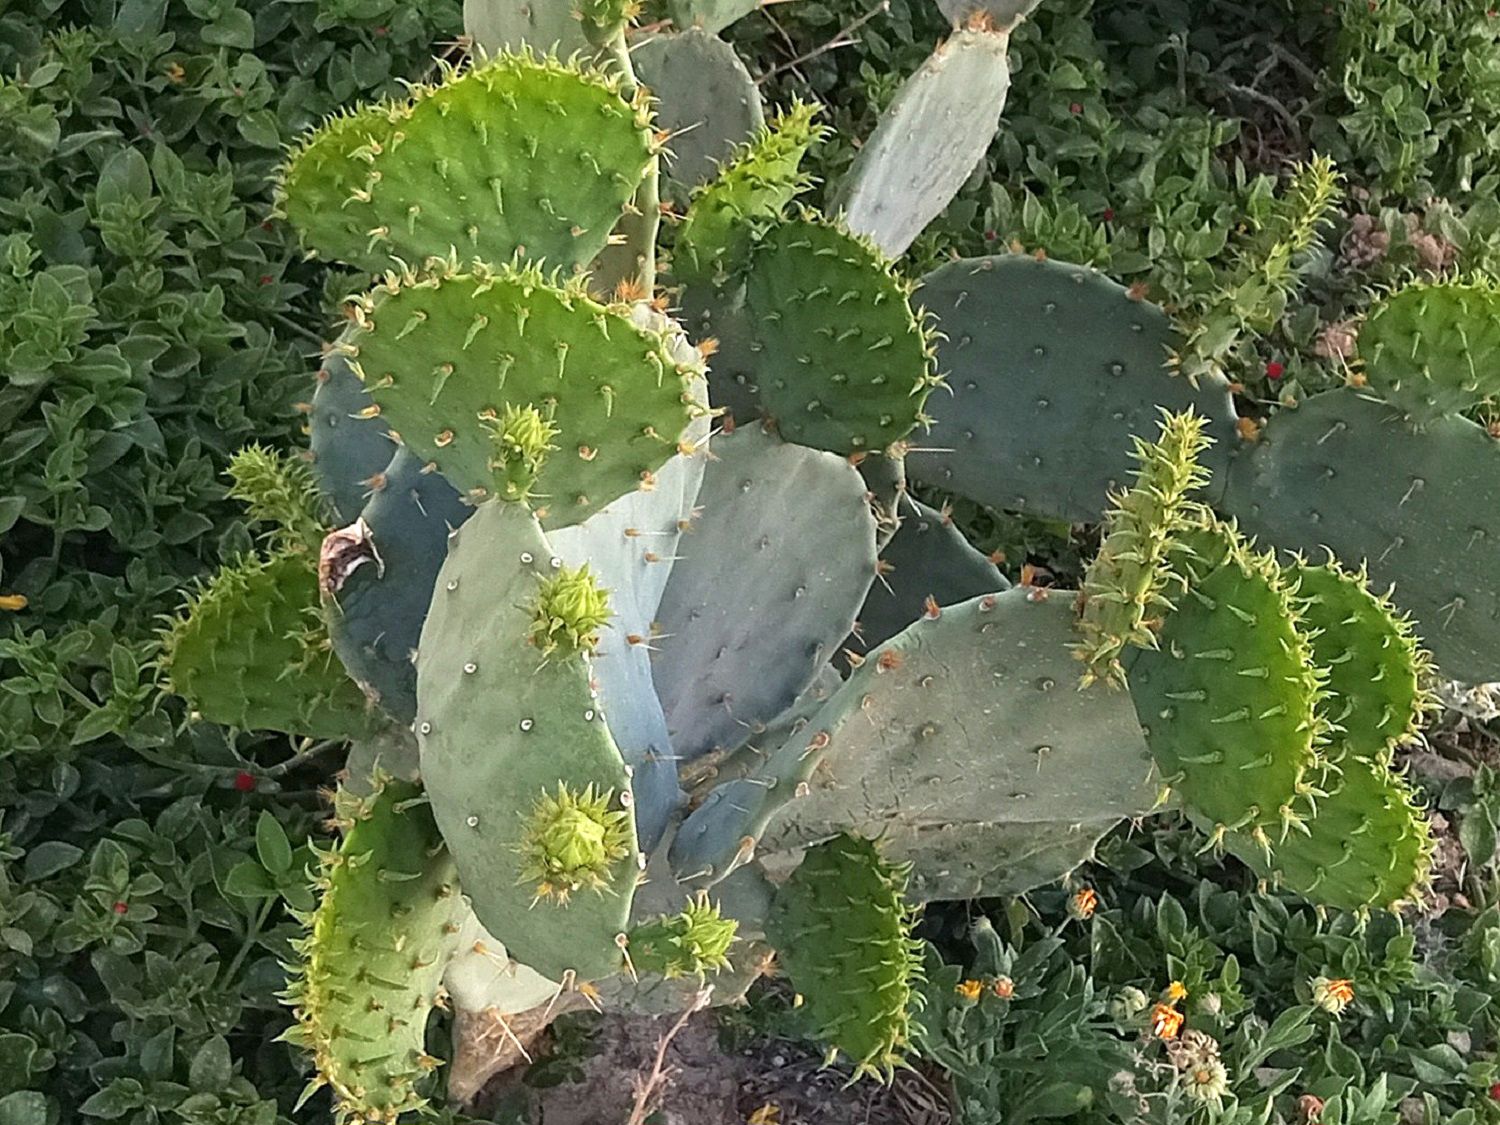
x=571 y=608
x=279 y=490
x=521 y=438
x=571 y=842
x=694 y=941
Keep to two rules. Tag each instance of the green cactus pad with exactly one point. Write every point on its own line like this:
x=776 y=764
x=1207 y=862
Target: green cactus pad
x=502 y=729
x=970 y=717
x=1131 y=582
x=1369 y=846
x=929 y=141
x=517 y=155
x=694 y=942
x=739 y=643
x=1042 y=413
x=847 y=363
x=1342 y=472
x=348 y=449
x=842 y=932
x=1432 y=350
x=706 y=100
x=368 y=971
x=250 y=651
x=1375 y=696
x=440 y=355
x=1230 y=699
x=756 y=182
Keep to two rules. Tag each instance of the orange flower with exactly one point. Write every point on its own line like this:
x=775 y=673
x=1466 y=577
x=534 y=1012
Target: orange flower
x=1332 y=995
x=768 y=1114
x=1004 y=987
x=1166 y=1021
x=13 y=602
x=970 y=989
x=1083 y=904
x=1176 y=991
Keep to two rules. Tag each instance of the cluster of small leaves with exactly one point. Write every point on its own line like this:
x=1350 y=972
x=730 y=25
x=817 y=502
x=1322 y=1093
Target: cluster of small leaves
x=152 y=321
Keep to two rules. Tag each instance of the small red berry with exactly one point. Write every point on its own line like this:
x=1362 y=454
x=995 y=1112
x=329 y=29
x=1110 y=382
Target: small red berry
x=266 y=279
x=244 y=782
x=1076 y=108
x=990 y=236
x=381 y=32
x=1495 y=1091
x=1275 y=370
x=1109 y=214
x=121 y=908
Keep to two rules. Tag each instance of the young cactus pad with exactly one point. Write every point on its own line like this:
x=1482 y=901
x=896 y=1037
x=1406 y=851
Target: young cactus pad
x=694 y=942
x=1027 y=383
x=846 y=363
x=443 y=355
x=1230 y=699
x=1369 y=845
x=1434 y=350
x=842 y=932
x=971 y=716
x=525 y=780
x=756 y=183
x=368 y=970
x=1375 y=696
x=1342 y=472
x=517 y=155
x=1132 y=581
x=250 y=651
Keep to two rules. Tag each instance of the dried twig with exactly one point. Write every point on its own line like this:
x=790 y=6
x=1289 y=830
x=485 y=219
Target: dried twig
x=647 y=1088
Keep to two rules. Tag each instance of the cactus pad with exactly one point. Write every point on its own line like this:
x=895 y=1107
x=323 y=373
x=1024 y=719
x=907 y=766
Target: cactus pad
x=1434 y=350
x=847 y=364
x=1230 y=699
x=930 y=139
x=442 y=355
x=349 y=449
x=694 y=942
x=368 y=970
x=705 y=98
x=927 y=562
x=971 y=716
x=842 y=932
x=712 y=16
x=739 y=644
x=1375 y=696
x=756 y=183
x=548 y=26
x=250 y=651
x=1342 y=472
x=1131 y=582
x=517 y=154
x=375 y=607
x=1369 y=845
x=526 y=783
x=1026 y=383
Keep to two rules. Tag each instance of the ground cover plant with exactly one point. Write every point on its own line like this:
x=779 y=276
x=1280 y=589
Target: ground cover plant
x=587 y=325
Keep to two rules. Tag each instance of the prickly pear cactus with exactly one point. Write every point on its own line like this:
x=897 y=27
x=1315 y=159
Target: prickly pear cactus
x=616 y=634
